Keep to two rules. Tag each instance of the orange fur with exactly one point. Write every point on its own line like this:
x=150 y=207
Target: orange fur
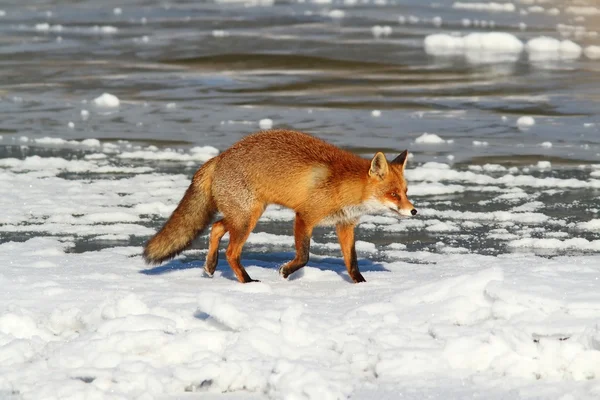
x=322 y=183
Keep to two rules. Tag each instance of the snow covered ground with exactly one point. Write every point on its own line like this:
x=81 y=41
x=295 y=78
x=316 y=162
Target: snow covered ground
x=438 y=322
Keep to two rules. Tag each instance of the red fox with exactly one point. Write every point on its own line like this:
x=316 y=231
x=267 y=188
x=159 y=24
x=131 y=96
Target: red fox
x=322 y=183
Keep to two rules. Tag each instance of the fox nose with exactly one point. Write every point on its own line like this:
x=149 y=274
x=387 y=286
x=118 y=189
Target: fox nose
x=413 y=211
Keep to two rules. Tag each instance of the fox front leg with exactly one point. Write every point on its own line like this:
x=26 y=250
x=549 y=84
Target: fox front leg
x=345 y=234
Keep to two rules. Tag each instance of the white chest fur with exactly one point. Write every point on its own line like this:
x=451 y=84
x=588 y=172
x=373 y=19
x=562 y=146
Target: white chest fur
x=351 y=214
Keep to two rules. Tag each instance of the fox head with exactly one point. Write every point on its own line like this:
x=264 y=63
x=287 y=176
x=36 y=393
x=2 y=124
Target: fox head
x=388 y=185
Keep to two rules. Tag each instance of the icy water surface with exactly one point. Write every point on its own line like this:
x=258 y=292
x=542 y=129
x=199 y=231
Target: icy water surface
x=195 y=74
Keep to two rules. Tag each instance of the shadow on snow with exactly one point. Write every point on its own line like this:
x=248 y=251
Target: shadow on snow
x=267 y=260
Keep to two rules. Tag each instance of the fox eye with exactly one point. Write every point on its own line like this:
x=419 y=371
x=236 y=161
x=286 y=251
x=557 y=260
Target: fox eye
x=394 y=194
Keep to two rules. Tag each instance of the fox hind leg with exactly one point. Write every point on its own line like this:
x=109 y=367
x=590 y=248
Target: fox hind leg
x=217 y=232
x=239 y=230
x=302 y=234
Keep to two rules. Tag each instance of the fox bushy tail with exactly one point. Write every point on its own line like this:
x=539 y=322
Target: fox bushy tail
x=193 y=214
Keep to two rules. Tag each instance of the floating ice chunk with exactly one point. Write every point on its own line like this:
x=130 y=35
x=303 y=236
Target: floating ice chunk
x=505 y=7
x=546 y=144
x=2 y=13
x=553 y=11
x=522 y=26
x=441 y=44
x=90 y=142
x=478 y=143
x=85 y=114
x=536 y=9
x=376 y=113
x=220 y=33
x=547 y=48
x=71 y=125
x=336 y=14
x=265 y=123
x=379 y=31
x=107 y=100
x=574 y=243
x=592 y=225
x=544 y=165
x=466 y=22
x=494 y=41
x=401 y=19
x=117 y=11
x=525 y=122
x=477 y=47
x=45 y=27
x=412 y=19
x=583 y=10
x=50 y=140
x=592 y=52
x=437 y=21
x=171 y=106
x=105 y=29
x=429 y=138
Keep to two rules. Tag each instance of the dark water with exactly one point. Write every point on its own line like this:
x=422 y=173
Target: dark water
x=204 y=73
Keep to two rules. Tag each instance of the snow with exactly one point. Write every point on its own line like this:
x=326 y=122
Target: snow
x=376 y=113
x=107 y=100
x=437 y=324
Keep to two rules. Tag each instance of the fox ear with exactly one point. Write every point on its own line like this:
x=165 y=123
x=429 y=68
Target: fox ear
x=401 y=159
x=379 y=166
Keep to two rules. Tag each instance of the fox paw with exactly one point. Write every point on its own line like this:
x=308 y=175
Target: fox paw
x=207 y=273
x=282 y=273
